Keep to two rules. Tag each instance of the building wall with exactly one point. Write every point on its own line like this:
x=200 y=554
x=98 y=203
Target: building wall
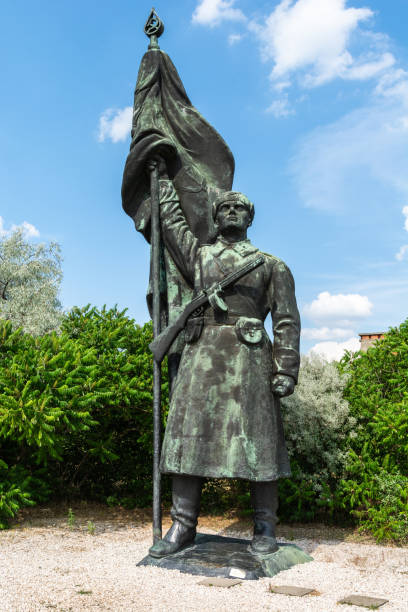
x=367 y=340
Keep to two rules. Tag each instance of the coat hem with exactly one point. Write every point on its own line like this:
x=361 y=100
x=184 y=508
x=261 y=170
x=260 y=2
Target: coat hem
x=208 y=474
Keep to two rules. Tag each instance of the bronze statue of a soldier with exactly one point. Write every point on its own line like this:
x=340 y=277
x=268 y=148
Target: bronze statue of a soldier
x=224 y=418
x=226 y=376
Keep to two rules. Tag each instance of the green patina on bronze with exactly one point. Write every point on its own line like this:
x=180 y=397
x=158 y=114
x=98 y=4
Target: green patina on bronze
x=224 y=420
x=212 y=555
x=199 y=162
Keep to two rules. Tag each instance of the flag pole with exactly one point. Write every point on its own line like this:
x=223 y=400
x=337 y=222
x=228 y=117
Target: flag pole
x=155 y=255
x=153 y=29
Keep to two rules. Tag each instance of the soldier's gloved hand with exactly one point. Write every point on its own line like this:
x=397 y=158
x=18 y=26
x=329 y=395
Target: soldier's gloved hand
x=282 y=385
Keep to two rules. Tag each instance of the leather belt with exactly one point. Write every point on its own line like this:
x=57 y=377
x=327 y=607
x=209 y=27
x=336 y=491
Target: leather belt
x=230 y=320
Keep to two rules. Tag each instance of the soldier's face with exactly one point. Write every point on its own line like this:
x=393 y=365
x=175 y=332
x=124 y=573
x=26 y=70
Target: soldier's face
x=232 y=215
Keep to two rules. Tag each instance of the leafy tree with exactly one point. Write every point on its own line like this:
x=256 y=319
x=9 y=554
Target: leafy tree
x=318 y=427
x=317 y=419
x=76 y=419
x=123 y=438
x=76 y=411
x=30 y=277
x=12 y=496
x=48 y=386
x=375 y=487
x=378 y=395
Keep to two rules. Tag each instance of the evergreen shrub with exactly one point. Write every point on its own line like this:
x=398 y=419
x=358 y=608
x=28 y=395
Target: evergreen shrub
x=12 y=496
x=75 y=411
x=375 y=485
x=113 y=462
x=76 y=421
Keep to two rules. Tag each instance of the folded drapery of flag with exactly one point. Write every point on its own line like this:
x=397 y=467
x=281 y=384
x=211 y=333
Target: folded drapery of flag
x=199 y=162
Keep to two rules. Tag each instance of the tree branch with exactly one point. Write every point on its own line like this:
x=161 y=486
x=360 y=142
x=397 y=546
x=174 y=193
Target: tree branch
x=3 y=291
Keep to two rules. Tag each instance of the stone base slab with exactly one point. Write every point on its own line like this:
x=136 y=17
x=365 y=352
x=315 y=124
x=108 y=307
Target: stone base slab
x=224 y=557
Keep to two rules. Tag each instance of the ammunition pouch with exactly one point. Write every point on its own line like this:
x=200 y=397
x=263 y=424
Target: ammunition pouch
x=193 y=329
x=250 y=331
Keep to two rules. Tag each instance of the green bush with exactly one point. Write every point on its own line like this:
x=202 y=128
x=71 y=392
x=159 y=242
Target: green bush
x=79 y=405
x=115 y=458
x=47 y=387
x=376 y=497
x=375 y=485
x=76 y=421
x=318 y=426
x=12 y=496
x=378 y=395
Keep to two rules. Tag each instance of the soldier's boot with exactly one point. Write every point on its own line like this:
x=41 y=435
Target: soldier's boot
x=264 y=496
x=186 y=496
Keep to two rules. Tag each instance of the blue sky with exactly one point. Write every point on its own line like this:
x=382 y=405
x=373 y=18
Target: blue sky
x=310 y=95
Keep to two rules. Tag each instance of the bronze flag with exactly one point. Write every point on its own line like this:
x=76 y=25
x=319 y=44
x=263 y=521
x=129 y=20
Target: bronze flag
x=199 y=163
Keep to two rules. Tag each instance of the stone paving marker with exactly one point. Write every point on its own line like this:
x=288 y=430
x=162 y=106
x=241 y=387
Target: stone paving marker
x=290 y=590
x=219 y=582
x=362 y=600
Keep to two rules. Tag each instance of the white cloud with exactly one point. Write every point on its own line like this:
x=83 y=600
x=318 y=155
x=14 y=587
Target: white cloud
x=324 y=333
x=213 y=12
x=312 y=42
x=394 y=85
x=367 y=70
x=3 y=231
x=280 y=108
x=335 y=350
x=115 y=124
x=282 y=85
x=29 y=230
x=405 y=213
x=345 y=164
x=338 y=307
x=401 y=253
x=404 y=249
x=233 y=39
x=312 y=37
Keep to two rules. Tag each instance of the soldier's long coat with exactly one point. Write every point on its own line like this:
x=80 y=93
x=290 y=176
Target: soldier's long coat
x=224 y=421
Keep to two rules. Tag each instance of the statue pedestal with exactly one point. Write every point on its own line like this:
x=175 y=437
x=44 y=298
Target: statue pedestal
x=213 y=555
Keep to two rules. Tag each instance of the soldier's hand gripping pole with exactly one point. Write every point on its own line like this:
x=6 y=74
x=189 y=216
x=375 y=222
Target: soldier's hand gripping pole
x=155 y=261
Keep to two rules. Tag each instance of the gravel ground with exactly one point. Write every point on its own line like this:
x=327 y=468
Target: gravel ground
x=45 y=565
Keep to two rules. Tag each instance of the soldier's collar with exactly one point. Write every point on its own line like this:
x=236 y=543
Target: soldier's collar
x=243 y=247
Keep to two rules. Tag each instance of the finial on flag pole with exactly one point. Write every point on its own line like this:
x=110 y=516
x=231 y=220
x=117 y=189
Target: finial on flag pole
x=154 y=28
